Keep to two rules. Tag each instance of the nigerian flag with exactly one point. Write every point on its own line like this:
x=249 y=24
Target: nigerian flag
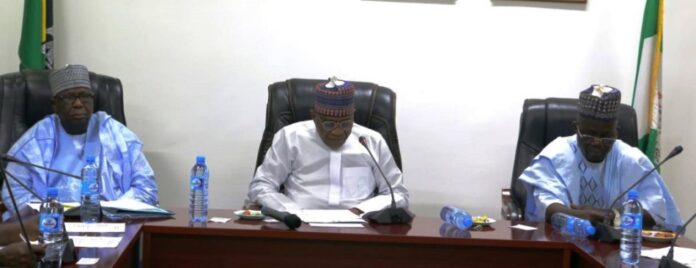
x=647 y=87
x=36 y=43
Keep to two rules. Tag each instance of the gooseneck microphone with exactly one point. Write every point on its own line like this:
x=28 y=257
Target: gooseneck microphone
x=668 y=261
x=607 y=233
x=10 y=158
x=19 y=219
x=676 y=151
x=69 y=255
x=393 y=214
x=290 y=220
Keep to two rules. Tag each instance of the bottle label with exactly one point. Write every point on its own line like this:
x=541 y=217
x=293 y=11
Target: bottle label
x=632 y=221
x=90 y=186
x=50 y=222
x=196 y=183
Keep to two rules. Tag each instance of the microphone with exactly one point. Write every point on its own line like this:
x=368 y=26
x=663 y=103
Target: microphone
x=69 y=255
x=9 y=158
x=668 y=261
x=607 y=233
x=21 y=223
x=392 y=214
x=290 y=220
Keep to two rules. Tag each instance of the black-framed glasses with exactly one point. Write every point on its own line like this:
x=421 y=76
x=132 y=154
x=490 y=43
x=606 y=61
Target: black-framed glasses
x=70 y=98
x=328 y=124
x=591 y=139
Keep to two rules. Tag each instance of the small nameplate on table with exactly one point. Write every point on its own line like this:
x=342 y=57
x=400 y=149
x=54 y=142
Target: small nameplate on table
x=97 y=227
x=87 y=261
x=95 y=241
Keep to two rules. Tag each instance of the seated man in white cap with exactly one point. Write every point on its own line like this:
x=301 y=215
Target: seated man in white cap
x=320 y=163
x=582 y=174
x=63 y=140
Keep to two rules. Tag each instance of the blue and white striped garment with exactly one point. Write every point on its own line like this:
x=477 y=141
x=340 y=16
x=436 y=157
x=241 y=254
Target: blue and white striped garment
x=560 y=174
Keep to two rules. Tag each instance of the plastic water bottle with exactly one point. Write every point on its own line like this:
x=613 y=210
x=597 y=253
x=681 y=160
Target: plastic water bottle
x=90 y=209
x=457 y=217
x=631 y=226
x=198 y=199
x=51 y=228
x=572 y=226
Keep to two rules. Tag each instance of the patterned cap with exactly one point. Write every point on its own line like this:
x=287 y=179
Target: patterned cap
x=334 y=98
x=71 y=76
x=599 y=102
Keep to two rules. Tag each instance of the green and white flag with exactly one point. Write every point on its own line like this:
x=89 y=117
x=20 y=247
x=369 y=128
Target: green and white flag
x=647 y=88
x=36 y=43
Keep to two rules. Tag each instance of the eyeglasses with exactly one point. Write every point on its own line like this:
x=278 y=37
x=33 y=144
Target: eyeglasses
x=591 y=139
x=332 y=124
x=70 y=99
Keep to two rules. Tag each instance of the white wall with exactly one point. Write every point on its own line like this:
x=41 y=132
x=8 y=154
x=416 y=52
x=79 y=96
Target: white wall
x=195 y=75
x=679 y=110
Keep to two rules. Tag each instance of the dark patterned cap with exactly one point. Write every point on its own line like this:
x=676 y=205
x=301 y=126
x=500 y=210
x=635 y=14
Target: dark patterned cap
x=71 y=76
x=334 y=98
x=599 y=102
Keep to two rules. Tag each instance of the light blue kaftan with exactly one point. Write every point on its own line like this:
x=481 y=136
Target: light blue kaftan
x=560 y=174
x=125 y=173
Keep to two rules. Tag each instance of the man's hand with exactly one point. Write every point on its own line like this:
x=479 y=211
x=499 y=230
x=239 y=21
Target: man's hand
x=32 y=226
x=594 y=214
x=17 y=255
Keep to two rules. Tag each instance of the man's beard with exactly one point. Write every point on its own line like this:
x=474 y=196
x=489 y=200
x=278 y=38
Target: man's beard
x=75 y=127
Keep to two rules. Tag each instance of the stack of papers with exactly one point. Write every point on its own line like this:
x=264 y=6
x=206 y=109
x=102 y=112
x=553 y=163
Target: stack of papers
x=130 y=205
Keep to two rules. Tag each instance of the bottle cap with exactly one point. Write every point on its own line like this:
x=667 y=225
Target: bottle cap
x=589 y=229
x=468 y=222
x=200 y=159
x=52 y=192
x=633 y=194
x=90 y=159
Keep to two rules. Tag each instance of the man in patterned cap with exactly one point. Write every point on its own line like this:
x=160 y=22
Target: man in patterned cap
x=63 y=141
x=582 y=174
x=320 y=163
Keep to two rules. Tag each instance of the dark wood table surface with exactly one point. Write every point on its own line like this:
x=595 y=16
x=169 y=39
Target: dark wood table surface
x=427 y=242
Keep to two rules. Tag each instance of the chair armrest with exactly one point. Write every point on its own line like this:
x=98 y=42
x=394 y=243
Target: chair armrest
x=509 y=210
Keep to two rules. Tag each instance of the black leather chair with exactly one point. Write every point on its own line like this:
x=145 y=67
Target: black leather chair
x=542 y=121
x=25 y=99
x=290 y=101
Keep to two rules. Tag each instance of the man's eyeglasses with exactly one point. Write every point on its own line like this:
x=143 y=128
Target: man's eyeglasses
x=70 y=99
x=332 y=124
x=591 y=139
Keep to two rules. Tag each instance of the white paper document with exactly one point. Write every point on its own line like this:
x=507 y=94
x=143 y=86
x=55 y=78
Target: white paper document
x=132 y=205
x=97 y=227
x=219 y=219
x=338 y=225
x=328 y=216
x=686 y=256
x=96 y=241
x=87 y=261
x=523 y=227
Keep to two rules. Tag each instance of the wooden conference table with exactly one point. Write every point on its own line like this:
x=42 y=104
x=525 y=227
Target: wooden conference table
x=425 y=243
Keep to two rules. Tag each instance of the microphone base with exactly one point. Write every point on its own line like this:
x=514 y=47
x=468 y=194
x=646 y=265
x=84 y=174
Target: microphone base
x=69 y=255
x=390 y=215
x=670 y=263
x=606 y=233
